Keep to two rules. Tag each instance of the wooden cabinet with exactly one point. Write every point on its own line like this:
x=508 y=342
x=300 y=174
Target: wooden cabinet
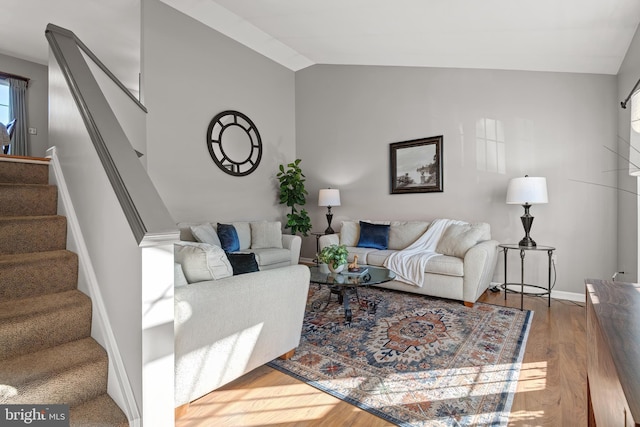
x=613 y=353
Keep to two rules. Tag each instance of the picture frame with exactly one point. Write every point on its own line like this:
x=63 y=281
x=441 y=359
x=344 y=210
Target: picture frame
x=416 y=166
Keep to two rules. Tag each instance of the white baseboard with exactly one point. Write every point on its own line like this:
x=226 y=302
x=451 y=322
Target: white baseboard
x=568 y=296
x=118 y=378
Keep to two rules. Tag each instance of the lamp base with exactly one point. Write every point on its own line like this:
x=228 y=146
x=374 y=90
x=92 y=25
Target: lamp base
x=527 y=242
x=329 y=230
x=527 y=220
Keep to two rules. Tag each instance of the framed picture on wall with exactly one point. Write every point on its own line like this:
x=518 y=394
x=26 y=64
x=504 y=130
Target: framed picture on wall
x=416 y=166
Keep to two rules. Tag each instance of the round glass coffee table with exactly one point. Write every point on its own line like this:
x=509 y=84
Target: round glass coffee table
x=344 y=283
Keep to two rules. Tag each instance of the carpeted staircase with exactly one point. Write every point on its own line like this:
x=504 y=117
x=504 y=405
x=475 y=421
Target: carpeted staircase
x=47 y=355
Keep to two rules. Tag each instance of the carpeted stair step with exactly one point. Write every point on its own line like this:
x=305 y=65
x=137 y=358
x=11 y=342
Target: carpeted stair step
x=24 y=173
x=21 y=234
x=33 y=324
x=101 y=411
x=28 y=199
x=71 y=373
x=37 y=273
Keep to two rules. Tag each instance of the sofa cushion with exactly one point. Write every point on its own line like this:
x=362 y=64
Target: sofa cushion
x=378 y=257
x=363 y=254
x=404 y=233
x=228 y=237
x=205 y=233
x=266 y=235
x=447 y=265
x=243 y=229
x=202 y=261
x=373 y=235
x=270 y=256
x=243 y=262
x=457 y=239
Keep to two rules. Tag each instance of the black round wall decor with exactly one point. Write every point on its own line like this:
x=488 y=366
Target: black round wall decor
x=234 y=143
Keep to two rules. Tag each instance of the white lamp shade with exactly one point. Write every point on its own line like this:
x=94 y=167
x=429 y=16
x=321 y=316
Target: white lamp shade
x=527 y=190
x=4 y=135
x=329 y=197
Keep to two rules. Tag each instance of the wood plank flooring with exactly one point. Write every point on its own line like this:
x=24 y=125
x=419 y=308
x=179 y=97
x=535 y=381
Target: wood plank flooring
x=551 y=389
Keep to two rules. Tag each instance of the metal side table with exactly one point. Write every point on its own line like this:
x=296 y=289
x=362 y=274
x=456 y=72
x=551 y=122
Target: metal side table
x=508 y=287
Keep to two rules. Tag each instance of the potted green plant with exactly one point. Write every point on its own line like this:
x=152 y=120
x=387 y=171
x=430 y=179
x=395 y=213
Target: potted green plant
x=293 y=194
x=335 y=256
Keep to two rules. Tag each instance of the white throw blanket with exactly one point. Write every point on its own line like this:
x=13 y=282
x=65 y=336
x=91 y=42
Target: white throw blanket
x=410 y=263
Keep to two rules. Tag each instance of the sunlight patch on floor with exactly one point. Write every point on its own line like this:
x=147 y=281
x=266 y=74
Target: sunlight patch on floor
x=533 y=377
x=526 y=416
x=283 y=404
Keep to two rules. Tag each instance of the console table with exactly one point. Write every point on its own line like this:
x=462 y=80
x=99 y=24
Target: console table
x=613 y=353
x=523 y=249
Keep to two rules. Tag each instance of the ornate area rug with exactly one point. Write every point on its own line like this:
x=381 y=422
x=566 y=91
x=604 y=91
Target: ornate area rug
x=413 y=360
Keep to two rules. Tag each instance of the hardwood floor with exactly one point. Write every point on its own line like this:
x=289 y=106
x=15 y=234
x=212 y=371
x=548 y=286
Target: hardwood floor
x=551 y=389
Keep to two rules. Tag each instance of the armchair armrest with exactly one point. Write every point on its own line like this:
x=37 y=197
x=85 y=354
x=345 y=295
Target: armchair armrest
x=293 y=243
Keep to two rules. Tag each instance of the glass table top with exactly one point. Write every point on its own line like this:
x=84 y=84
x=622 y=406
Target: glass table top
x=372 y=276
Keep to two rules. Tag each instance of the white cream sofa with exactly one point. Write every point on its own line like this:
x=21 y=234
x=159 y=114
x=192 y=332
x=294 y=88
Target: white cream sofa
x=463 y=277
x=281 y=255
x=227 y=325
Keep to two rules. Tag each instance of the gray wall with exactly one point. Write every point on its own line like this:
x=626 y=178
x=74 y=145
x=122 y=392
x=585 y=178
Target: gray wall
x=340 y=120
x=627 y=202
x=190 y=74
x=37 y=99
x=555 y=125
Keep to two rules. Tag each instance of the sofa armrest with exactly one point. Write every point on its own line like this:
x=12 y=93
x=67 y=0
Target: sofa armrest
x=293 y=243
x=328 y=240
x=226 y=328
x=479 y=264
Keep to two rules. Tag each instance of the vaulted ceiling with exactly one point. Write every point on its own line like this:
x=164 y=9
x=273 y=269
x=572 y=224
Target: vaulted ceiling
x=583 y=36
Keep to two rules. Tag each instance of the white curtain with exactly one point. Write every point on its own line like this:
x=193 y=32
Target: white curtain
x=18 y=111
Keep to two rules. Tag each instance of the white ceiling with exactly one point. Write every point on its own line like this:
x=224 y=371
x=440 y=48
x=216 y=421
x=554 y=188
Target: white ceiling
x=583 y=36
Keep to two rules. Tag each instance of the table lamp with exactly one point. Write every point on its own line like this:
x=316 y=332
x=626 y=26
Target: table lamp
x=329 y=197
x=527 y=191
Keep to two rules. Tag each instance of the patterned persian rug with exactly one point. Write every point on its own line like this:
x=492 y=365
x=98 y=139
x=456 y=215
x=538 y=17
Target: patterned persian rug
x=413 y=360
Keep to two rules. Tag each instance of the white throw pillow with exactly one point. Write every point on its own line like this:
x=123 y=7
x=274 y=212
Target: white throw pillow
x=350 y=233
x=457 y=239
x=266 y=235
x=205 y=233
x=202 y=261
x=404 y=233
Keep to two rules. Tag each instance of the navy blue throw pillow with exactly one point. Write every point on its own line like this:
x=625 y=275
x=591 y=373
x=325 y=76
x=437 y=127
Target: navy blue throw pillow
x=374 y=236
x=228 y=237
x=243 y=263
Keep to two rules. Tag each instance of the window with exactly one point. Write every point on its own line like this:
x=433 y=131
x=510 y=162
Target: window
x=490 y=151
x=4 y=102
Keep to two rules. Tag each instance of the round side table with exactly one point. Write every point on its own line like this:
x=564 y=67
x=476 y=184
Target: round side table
x=508 y=287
